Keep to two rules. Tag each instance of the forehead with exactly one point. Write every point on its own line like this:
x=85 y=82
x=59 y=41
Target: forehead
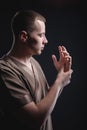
x=39 y=24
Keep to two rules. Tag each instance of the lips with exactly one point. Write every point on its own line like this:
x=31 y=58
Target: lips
x=42 y=48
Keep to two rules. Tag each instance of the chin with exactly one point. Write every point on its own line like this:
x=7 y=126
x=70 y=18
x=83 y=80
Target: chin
x=39 y=52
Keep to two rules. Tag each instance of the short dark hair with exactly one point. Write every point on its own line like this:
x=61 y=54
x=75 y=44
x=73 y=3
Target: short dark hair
x=24 y=20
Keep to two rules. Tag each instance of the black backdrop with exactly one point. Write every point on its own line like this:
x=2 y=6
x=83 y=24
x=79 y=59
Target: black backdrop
x=66 y=25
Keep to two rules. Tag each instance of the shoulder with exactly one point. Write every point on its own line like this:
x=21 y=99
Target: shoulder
x=7 y=65
x=3 y=62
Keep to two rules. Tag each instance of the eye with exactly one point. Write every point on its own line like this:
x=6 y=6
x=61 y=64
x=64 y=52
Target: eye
x=41 y=34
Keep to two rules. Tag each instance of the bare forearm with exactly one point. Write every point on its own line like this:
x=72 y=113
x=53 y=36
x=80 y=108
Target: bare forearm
x=47 y=104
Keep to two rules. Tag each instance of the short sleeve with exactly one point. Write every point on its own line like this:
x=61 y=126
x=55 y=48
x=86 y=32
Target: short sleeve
x=13 y=88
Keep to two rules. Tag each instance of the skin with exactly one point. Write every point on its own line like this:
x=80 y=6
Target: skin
x=23 y=50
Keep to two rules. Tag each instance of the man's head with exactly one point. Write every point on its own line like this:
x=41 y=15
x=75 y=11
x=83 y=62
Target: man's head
x=29 y=27
x=25 y=20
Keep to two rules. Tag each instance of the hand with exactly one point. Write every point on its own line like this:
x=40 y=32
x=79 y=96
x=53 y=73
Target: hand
x=64 y=78
x=65 y=59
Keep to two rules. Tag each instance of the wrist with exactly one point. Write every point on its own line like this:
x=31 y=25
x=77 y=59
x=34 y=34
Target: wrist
x=58 y=83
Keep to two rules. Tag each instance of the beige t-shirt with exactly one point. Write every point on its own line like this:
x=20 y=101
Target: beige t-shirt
x=23 y=85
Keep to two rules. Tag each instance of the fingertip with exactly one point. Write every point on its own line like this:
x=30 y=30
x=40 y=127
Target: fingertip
x=59 y=46
x=53 y=55
x=63 y=48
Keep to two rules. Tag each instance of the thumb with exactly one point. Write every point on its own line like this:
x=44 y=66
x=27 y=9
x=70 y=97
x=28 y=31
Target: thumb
x=55 y=62
x=54 y=59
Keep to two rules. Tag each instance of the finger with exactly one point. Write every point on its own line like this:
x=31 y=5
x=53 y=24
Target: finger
x=54 y=59
x=67 y=64
x=68 y=59
x=64 y=50
x=61 y=54
x=65 y=53
x=56 y=62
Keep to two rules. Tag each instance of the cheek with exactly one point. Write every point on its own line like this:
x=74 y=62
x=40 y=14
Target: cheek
x=35 y=40
x=32 y=40
x=38 y=45
x=35 y=44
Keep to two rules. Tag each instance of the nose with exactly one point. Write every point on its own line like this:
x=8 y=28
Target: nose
x=45 y=41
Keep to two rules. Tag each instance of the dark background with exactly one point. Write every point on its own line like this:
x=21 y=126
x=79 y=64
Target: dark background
x=66 y=25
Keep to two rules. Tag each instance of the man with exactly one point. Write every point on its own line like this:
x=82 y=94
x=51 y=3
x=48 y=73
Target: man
x=26 y=99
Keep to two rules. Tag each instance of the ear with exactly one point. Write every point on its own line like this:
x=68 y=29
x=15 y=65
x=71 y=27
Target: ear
x=23 y=36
